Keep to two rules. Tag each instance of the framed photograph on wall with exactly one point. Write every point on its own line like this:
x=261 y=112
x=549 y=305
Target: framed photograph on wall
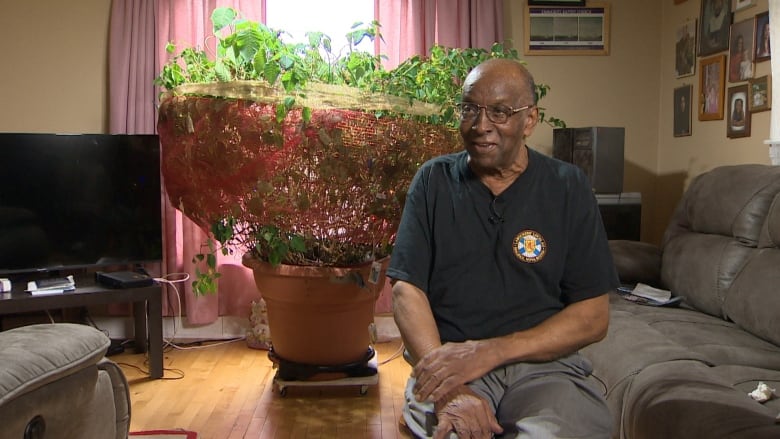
x=738 y=118
x=712 y=83
x=685 y=50
x=761 y=44
x=742 y=4
x=556 y=2
x=760 y=94
x=741 y=51
x=567 y=30
x=714 y=25
x=682 y=110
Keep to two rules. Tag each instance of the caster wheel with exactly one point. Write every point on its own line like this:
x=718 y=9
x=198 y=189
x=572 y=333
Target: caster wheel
x=363 y=390
x=283 y=391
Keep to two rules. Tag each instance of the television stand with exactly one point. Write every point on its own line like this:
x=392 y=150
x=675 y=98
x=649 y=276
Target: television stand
x=147 y=310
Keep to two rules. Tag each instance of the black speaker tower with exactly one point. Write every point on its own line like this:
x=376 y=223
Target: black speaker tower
x=598 y=151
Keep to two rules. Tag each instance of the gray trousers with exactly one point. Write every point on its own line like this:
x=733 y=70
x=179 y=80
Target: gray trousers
x=532 y=400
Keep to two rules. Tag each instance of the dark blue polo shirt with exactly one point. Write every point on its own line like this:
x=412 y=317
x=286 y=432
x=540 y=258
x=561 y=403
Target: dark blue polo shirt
x=490 y=265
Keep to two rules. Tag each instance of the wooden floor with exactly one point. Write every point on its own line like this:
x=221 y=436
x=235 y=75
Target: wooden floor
x=227 y=391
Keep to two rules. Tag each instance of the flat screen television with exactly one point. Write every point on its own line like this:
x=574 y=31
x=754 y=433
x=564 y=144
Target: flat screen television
x=78 y=201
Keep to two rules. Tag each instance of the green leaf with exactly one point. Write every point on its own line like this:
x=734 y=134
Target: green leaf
x=297 y=243
x=211 y=260
x=222 y=71
x=222 y=17
x=248 y=44
x=271 y=72
x=289 y=101
x=259 y=61
x=286 y=61
x=281 y=113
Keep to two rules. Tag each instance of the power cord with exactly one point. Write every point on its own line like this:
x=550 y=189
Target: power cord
x=395 y=355
x=179 y=373
x=172 y=279
x=201 y=345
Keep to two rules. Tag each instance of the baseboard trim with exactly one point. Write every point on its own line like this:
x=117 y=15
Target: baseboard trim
x=176 y=329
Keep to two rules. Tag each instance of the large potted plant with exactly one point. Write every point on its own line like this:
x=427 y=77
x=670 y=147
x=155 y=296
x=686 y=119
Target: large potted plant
x=300 y=159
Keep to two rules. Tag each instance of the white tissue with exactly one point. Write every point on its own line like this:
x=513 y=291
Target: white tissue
x=763 y=393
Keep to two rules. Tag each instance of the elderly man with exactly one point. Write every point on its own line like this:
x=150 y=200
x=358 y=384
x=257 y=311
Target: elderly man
x=500 y=273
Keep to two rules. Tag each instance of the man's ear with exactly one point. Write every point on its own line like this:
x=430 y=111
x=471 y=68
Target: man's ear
x=531 y=119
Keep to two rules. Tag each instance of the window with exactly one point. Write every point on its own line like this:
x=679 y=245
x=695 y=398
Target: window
x=334 y=19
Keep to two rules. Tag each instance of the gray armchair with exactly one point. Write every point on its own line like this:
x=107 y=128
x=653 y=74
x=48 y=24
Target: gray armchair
x=56 y=383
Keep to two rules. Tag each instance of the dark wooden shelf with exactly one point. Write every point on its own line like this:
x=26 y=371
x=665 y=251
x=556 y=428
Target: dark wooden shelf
x=147 y=310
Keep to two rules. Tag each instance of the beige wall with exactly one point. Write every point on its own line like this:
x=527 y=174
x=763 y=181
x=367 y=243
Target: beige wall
x=54 y=69
x=54 y=79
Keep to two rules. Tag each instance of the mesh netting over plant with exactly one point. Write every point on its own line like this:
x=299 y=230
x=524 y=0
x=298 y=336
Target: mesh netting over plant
x=338 y=180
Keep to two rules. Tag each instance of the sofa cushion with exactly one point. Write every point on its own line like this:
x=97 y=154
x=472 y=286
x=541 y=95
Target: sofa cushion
x=687 y=399
x=770 y=233
x=701 y=268
x=719 y=221
x=753 y=302
x=729 y=201
x=745 y=379
x=636 y=261
x=59 y=349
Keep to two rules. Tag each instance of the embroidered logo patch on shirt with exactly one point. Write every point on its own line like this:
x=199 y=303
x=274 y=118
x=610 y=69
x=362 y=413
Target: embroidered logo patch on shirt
x=529 y=246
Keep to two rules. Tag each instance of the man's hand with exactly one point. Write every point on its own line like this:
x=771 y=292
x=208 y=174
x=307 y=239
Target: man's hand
x=451 y=365
x=467 y=414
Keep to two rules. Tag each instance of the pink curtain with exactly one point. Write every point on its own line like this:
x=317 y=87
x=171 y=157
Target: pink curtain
x=139 y=32
x=132 y=68
x=412 y=27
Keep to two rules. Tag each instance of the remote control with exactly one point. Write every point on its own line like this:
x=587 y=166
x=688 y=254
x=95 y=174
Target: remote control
x=64 y=283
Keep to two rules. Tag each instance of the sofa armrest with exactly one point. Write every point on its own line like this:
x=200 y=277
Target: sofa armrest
x=636 y=262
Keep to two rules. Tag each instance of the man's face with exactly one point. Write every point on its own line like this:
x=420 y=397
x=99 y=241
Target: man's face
x=491 y=145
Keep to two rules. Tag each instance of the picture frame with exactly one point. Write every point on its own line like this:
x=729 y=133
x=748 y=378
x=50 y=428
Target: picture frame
x=714 y=25
x=712 y=82
x=556 y=2
x=567 y=30
x=741 y=50
x=742 y=4
x=760 y=98
x=682 y=110
x=761 y=44
x=685 y=49
x=738 y=114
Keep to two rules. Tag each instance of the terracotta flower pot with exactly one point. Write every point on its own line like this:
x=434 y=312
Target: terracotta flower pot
x=319 y=315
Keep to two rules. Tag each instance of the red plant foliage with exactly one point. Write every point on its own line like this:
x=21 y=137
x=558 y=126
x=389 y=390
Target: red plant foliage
x=339 y=180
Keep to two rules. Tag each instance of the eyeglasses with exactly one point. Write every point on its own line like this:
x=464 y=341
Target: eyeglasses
x=498 y=114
